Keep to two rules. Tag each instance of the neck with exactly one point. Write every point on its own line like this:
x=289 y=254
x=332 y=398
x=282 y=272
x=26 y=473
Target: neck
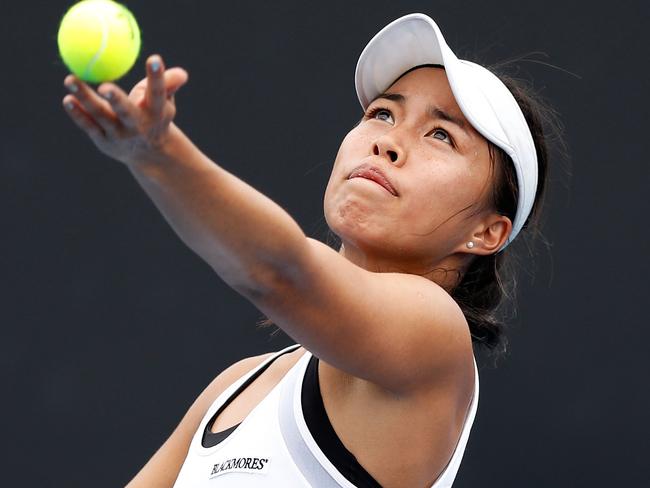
x=446 y=272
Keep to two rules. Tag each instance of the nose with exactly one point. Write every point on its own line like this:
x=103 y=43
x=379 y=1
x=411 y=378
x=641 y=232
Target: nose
x=386 y=146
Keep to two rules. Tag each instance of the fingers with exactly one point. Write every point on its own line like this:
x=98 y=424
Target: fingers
x=119 y=101
x=111 y=113
x=160 y=85
x=83 y=121
x=156 y=92
x=93 y=104
x=175 y=79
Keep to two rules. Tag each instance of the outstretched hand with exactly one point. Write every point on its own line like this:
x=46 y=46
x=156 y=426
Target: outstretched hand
x=130 y=128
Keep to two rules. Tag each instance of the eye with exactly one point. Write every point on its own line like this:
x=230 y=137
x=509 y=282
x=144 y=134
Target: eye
x=379 y=113
x=442 y=135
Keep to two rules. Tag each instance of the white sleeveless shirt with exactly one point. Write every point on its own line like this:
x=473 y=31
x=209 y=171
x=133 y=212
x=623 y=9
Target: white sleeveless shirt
x=274 y=447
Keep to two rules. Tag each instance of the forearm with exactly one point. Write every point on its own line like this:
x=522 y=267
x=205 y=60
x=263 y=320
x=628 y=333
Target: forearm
x=248 y=239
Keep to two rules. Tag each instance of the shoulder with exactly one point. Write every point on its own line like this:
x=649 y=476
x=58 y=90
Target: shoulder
x=348 y=317
x=232 y=373
x=235 y=371
x=163 y=467
x=216 y=387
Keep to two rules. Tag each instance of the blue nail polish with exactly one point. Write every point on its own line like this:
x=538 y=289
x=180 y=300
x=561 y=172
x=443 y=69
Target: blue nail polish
x=73 y=87
x=155 y=66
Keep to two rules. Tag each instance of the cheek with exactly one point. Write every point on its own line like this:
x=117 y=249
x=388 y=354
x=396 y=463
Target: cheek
x=353 y=148
x=355 y=142
x=443 y=186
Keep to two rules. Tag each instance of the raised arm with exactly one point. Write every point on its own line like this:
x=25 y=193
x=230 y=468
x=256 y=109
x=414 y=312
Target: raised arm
x=247 y=238
x=243 y=235
x=400 y=331
x=396 y=330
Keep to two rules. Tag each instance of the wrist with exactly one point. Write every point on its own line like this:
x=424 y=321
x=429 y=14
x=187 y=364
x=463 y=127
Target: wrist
x=167 y=153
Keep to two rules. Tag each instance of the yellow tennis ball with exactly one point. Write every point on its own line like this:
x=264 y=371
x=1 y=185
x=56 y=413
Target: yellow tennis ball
x=99 y=40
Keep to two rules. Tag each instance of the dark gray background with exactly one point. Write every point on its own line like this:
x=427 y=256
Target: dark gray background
x=111 y=326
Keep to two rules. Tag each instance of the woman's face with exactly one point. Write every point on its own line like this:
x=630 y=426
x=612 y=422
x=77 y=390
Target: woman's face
x=437 y=163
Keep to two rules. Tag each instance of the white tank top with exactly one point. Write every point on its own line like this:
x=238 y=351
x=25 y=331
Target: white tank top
x=274 y=447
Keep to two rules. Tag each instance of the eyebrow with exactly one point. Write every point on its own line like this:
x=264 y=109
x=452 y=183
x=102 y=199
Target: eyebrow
x=433 y=111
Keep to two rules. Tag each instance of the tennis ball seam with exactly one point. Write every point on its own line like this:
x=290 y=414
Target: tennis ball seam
x=102 y=47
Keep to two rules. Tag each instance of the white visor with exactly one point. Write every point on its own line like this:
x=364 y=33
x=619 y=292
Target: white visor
x=487 y=104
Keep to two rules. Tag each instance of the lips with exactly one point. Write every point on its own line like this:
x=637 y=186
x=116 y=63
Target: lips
x=373 y=173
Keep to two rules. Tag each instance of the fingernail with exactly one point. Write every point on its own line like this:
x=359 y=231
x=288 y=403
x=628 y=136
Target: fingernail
x=108 y=95
x=69 y=105
x=73 y=87
x=155 y=66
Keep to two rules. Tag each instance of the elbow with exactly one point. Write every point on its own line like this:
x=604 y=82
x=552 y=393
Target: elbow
x=270 y=280
x=266 y=284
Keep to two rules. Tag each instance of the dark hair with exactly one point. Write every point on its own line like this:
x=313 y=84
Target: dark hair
x=489 y=282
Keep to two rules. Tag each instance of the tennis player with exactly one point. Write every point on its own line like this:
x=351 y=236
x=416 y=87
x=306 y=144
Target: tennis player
x=445 y=168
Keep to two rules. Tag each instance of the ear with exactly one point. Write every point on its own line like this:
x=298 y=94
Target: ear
x=489 y=236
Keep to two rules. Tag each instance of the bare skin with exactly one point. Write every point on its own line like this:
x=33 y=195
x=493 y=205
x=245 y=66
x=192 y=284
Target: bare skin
x=394 y=248
x=442 y=174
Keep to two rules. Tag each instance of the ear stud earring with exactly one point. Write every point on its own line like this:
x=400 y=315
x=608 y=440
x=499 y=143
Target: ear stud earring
x=470 y=244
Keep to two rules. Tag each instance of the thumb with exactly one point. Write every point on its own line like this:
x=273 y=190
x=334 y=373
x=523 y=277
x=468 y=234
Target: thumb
x=175 y=78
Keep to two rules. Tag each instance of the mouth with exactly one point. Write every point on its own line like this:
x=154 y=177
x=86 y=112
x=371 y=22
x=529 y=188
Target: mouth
x=373 y=173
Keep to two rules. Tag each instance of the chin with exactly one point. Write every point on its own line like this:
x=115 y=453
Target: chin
x=352 y=218
x=357 y=234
